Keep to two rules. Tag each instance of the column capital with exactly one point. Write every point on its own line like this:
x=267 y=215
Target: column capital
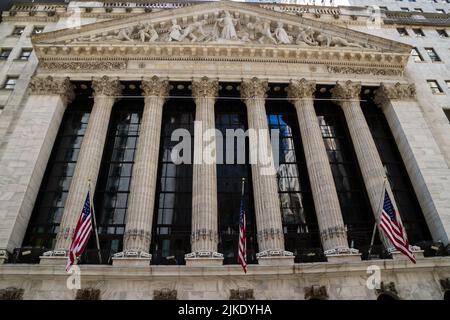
x=397 y=91
x=51 y=86
x=254 y=88
x=348 y=90
x=299 y=89
x=205 y=87
x=106 y=86
x=155 y=86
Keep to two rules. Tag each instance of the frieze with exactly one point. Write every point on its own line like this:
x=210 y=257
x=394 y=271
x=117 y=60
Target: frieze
x=83 y=65
x=382 y=71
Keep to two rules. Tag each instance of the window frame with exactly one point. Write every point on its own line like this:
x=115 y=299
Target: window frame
x=402 y=32
x=418 y=32
x=8 y=86
x=433 y=88
x=419 y=55
x=2 y=58
x=442 y=33
x=14 y=33
x=33 y=32
x=23 y=57
x=430 y=52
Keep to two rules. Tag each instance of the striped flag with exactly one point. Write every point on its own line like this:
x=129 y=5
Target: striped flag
x=242 y=254
x=81 y=234
x=393 y=228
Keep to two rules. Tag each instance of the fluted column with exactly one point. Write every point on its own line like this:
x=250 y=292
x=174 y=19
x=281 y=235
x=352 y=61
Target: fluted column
x=204 y=236
x=141 y=201
x=105 y=92
x=347 y=95
x=326 y=202
x=26 y=155
x=265 y=191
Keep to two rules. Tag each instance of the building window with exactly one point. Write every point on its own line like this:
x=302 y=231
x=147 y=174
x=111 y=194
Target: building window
x=113 y=186
x=434 y=86
x=383 y=8
x=440 y=10
x=404 y=194
x=418 y=10
x=417 y=57
x=411 y=0
x=418 y=32
x=171 y=234
x=25 y=54
x=233 y=116
x=4 y=53
x=442 y=33
x=402 y=32
x=49 y=205
x=354 y=202
x=18 y=31
x=404 y=9
x=37 y=30
x=300 y=228
x=447 y=82
x=432 y=54
x=447 y=114
x=10 y=83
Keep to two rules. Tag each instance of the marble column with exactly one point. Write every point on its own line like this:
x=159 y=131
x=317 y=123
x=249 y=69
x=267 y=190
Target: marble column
x=204 y=236
x=347 y=95
x=106 y=91
x=265 y=190
x=141 y=202
x=26 y=155
x=326 y=202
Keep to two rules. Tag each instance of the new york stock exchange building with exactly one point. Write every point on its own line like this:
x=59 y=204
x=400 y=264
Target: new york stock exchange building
x=95 y=93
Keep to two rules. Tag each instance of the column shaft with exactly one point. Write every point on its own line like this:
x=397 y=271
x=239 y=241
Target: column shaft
x=326 y=202
x=89 y=159
x=204 y=236
x=265 y=190
x=144 y=179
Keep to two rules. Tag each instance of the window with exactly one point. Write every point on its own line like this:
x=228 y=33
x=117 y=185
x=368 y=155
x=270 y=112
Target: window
x=447 y=83
x=412 y=0
x=383 y=8
x=417 y=57
x=18 y=31
x=418 y=32
x=442 y=33
x=404 y=9
x=10 y=83
x=25 y=54
x=37 y=30
x=418 y=10
x=447 y=114
x=402 y=32
x=4 y=53
x=432 y=54
x=440 y=10
x=434 y=86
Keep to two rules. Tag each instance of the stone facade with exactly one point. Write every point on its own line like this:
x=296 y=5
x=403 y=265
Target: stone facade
x=206 y=44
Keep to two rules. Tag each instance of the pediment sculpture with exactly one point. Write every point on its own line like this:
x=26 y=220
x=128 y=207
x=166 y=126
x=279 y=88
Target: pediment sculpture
x=223 y=28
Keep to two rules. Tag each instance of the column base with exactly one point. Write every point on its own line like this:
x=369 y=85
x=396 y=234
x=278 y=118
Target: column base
x=343 y=255
x=3 y=256
x=55 y=258
x=203 y=259
x=398 y=256
x=275 y=258
x=132 y=259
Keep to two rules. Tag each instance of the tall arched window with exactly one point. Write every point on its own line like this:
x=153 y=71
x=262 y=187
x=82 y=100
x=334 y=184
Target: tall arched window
x=173 y=204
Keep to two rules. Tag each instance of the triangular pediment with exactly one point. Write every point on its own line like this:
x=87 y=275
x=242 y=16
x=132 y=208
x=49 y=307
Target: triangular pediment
x=217 y=28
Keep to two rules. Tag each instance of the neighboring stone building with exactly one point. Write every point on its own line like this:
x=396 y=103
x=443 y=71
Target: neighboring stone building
x=94 y=91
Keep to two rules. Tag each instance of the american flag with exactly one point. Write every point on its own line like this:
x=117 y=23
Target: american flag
x=393 y=228
x=242 y=254
x=81 y=234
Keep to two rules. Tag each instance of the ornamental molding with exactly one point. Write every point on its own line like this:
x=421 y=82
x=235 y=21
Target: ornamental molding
x=52 y=86
x=219 y=31
x=251 y=89
x=398 y=91
x=106 y=86
x=83 y=65
x=370 y=70
x=299 y=89
x=155 y=86
x=205 y=87
x=348 y=90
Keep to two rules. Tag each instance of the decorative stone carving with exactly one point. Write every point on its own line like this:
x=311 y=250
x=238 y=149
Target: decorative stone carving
x=228 y=23
x=88 y=294
x=205 y=87
x=174 y=32
x=3 y=256
x=83 y=66
x=155 y=86
x=11 y=293
x=363 y=70
x=165 y=294
x=254 y=88
x=397 y=91
x=51 y=86
x=387 y=289
x=445 y=284
x=281 y=34
x=106 y=86
x=348 y=90
x=301 y=89
x=242 y=294
x=316 y=293
x=148 y=33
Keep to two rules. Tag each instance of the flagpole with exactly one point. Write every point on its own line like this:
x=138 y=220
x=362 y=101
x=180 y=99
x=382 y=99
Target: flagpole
x=243 y=183
x=94 y=221
x=375 y=225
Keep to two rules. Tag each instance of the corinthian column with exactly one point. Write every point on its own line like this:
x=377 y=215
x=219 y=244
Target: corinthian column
x=265 y=191
x=204 y=237
x=105 y=92
x=33 y=136
x=347 y=95
x=326 y=202
x=138 y=228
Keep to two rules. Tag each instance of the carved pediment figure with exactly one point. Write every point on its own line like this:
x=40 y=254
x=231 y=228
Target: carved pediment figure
x=175 y=31
x=281 y=34
x=147 y=32
x=228 y=23
x=194 y=32
x=306 y=36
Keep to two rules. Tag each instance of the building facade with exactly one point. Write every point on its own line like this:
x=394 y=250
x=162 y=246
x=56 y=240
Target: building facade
x=98 y=96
